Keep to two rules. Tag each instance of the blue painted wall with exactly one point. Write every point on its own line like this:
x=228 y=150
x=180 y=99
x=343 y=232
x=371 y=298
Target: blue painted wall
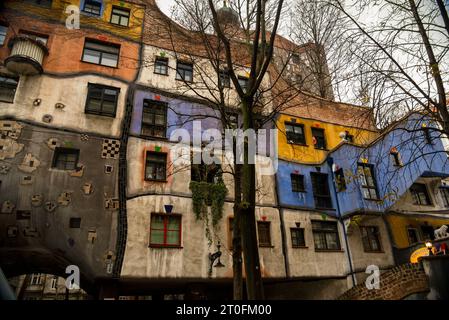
x=418 y=157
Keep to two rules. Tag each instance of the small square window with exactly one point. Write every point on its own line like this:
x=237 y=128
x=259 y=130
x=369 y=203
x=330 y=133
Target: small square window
x=161 y=66
x=8 y=87
x=395 y=158
x=340 y=180
x=297 y=235
x=297 y=181
x=321 y=192
x=413 y=235
x=319 y=139
x=325 y=235
x=3 y=32
x=154 y=119
x=295 y=133
x=105 y=54
x=224 y=78
x=371 y=239
x=120 y=16
x=184 y=71
x=420 y=195
x=101 y=100
x=155 y=166
x=65 y=158
x=367 y=180
x=165 y=230
x=92 y=7
x=263 y=231
x=75 y=223
x=244 y=83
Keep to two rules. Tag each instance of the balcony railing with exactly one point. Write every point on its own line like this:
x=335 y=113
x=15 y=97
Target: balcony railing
x=26 y=56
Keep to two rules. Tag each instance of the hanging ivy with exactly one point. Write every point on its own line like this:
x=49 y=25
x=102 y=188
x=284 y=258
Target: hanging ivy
x=205 y=195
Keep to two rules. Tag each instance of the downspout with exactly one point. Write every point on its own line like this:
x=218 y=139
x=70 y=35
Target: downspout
x=283 y=235
x=330 y=162
x=122 y=231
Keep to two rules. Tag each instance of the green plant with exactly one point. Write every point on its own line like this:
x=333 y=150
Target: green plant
x=204 y=195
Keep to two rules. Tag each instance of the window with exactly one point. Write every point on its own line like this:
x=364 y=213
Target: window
x=263 y=231
x=184 y=71
x=295 y=133
x=36 y=279
x=297 y=235
x=155 y=166
x=225 y=80
x=297 y=182
x=395 y=157
x=54 y=282
x=75 y=223
x=413 y=235
x=165 y=230
x=210 y=173
x=65 y=158
x=244 y=82
x=92 y=7
x=101 y=100
x=120 y=16
x=349 y=137
x=42 y=3
x=370 y=239
x=428 y=232
x=3 y=32
x=41 y=38
x=340 y=180
x=101 y=53
x=8 y=87
x=319 y=138
x=325 y=235
x=321 y=191
x=420 y=194
x=154 y=119
x=296 y=58
x=445 y=194
x=368 y=181
x=427 y=135
x=161 y=66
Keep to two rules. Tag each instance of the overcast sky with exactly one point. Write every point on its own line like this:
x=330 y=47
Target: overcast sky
x=165 y=5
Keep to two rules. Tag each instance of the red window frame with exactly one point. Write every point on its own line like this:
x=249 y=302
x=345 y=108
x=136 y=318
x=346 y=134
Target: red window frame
x=165 y=230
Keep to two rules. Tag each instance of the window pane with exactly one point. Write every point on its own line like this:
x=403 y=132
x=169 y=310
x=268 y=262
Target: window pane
x=94 y=105
x=157 y=237
x=320 y=240
x=157 y=222
x=109 y=59
x=331 y=240
x=91 y=56
x=173 y=223
x=115 y=19
x=124 y=21
x=173 y=238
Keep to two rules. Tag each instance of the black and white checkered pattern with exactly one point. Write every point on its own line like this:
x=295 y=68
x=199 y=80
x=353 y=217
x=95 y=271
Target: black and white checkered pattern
x=111 y=149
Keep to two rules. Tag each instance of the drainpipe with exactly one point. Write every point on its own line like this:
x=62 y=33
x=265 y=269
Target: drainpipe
x=283 y=235
x=330 y=162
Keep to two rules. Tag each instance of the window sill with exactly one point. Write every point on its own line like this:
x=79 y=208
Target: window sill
x=155 y=246
x=300 y=247
x=334 y=250
x=298 y=144
x=182 y=80
x=153 y=137
x=161 y=74
x=155 y=180
x=7 y=101
x=100 y=115
x=119 y=25
x=381 y=251
x=266 y=246
x=100 y=65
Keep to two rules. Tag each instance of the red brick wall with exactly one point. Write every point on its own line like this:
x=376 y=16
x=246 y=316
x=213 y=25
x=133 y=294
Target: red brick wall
x=395 y=284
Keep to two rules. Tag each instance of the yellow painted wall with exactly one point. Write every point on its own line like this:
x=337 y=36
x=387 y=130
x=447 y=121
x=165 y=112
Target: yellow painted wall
x=57 y=12
x=399 y=225
x=308 y=153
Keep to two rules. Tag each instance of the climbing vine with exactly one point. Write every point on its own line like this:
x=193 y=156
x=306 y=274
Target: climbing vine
x=205 y=195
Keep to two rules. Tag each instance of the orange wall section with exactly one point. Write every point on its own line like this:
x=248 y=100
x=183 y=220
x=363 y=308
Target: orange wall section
x=66 y=49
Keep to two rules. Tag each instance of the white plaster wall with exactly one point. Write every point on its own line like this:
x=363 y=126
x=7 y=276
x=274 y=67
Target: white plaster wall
x=405 y=203
x=190 y=261
x=72 y=92
x=178 y=176
x=203 y=73
x=362 y=259
x=306 y=262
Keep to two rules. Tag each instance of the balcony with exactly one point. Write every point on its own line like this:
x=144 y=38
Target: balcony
x=26 y=55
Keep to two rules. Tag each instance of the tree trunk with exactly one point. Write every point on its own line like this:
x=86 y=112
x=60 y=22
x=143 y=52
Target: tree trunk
x=237 y=235
x=254 y=286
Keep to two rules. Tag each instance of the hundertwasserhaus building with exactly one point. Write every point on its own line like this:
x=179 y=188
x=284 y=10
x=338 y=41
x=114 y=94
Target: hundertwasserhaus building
x=87 y=177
